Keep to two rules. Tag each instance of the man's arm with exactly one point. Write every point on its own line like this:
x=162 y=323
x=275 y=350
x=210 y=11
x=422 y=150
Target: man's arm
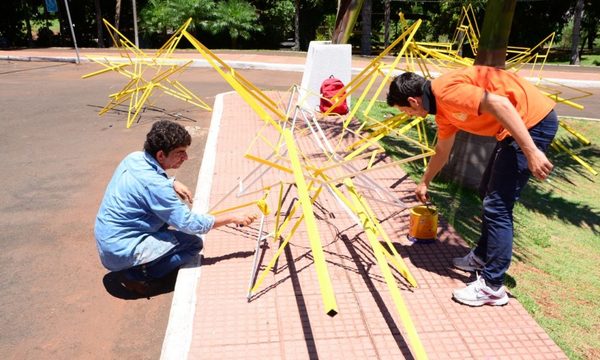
x=221 y=220
x=242 y=220
x=506 y=114
x=184 y=193
x=436 y=163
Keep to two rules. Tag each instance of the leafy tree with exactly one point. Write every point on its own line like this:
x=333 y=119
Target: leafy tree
x=277 y=19
x=16 y=19
x=590 y=20
x=534 y=20
x=161 y=16
x=238 y=18
x=312 y=15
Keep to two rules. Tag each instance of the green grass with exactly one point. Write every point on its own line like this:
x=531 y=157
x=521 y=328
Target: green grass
x=562 y=56
x=586 y=60
x=555 y=272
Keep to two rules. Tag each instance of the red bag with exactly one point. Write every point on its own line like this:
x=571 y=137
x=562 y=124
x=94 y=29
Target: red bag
x=329 y=88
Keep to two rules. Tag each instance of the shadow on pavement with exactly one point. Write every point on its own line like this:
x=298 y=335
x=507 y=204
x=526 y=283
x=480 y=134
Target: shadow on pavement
x=114 y=286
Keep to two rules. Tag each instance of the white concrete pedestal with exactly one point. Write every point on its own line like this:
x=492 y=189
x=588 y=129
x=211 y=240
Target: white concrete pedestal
x=323 y=60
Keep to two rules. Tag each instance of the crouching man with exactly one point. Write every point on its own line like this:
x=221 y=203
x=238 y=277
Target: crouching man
x=143 y=229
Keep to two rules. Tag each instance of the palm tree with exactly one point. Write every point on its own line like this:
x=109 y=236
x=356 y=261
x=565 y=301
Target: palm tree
x=347 y=14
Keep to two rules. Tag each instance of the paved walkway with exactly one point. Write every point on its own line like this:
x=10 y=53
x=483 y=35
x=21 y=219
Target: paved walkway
x=286 y=318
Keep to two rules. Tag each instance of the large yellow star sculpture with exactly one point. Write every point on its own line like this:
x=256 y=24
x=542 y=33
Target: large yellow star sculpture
x=135 y=65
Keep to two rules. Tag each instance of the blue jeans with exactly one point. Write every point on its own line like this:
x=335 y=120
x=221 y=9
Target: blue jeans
x=189 y=246
x=504 y=178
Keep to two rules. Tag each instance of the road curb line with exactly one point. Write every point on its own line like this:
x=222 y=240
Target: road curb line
x=250 y=65
x=178 y=336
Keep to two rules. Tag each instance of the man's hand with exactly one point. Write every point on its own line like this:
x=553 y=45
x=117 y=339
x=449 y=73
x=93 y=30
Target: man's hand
x=244 y=220
x=506 y=114
x=184 y=193
x=539 y=165
x=421 y=193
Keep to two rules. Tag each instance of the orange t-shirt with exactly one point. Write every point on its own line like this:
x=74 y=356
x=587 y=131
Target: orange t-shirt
x=458 y=94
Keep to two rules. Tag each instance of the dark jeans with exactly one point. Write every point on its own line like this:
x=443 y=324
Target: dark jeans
x=501 y=184
x=189 y=246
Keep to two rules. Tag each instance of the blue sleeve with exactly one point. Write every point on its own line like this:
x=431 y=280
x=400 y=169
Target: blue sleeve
x=164 y=203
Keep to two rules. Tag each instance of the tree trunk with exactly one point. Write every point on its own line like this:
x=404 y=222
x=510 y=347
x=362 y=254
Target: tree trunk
x=592 y=31
x=29 y=32
x=494 y=35
x=296 y=26
x=27 y=14
x=365 y=41
x=347 y=14
x=117 y=14
x=582 y=45
x=386 y=32
x=62 y=21
x=576 y=33
x=471 y=153
x=99 y=23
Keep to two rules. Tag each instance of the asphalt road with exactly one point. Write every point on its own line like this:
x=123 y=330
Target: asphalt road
x=58 y=155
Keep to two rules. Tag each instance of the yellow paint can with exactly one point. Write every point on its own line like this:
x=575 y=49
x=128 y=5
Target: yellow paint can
x=423 y=223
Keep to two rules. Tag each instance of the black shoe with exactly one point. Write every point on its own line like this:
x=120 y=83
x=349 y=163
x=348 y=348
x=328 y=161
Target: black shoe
x=148 y=288
x=143 y=288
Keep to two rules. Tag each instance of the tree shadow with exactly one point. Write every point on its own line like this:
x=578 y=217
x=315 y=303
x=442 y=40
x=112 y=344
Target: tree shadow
x=462 y=206
x=545 y=197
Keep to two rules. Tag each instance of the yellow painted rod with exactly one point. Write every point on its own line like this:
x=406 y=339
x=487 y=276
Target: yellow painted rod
x=311 y=226
x=416 y=346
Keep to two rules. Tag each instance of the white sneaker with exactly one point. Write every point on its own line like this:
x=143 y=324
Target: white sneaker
x=469 y=262
x=478 y=293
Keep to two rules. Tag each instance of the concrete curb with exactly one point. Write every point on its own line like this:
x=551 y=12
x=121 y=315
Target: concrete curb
x=178 y=335
x=250 y=65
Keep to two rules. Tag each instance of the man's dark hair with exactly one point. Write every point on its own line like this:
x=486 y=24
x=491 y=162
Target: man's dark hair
x=166 y=135
x=403 y=86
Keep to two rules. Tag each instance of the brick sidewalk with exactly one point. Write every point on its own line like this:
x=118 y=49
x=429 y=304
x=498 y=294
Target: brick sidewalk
x=286 y=319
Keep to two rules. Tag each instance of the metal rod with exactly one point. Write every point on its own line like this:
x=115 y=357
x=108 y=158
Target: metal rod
x=135 y=27
x=259 y=238
x=72 y=30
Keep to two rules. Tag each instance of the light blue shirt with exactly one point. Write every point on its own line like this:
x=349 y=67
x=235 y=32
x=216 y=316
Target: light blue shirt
x=138 y=206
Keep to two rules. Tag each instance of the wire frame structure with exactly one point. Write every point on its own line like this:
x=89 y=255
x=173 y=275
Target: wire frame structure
x=145 y=73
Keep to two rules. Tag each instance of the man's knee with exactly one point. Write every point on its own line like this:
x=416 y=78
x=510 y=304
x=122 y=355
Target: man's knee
x=189 y=242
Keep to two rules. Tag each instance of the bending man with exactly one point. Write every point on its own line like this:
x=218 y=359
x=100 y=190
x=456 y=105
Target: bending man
x=490 y=102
